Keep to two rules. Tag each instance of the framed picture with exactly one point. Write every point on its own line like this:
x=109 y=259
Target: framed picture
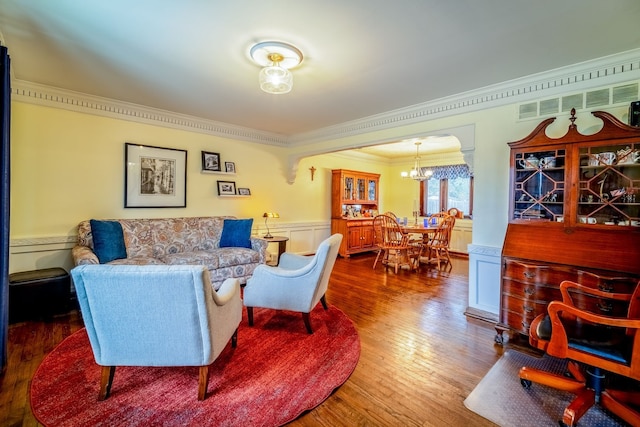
x=211 y=161
x=226 y=188
x=244 y=191
x=155 y=177
x=230 y=167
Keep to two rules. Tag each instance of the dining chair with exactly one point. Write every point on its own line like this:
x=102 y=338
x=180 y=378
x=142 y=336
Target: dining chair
x=392 y=215
x=394 y=247
x=438 y=244
x=439 y=217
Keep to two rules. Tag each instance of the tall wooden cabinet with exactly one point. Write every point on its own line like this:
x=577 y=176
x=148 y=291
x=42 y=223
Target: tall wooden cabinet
x=574 y=214
x=354 y=201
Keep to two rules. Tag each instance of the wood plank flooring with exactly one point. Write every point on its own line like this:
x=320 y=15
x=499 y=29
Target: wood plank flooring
x=421 y=356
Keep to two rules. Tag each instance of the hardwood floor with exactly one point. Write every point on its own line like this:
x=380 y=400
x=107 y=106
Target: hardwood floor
x=421 y=356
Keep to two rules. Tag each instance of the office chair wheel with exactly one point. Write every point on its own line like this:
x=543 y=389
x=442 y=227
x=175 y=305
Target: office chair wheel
x=525 y=383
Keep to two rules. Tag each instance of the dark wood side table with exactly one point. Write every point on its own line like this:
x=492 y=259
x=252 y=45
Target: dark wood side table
x=282 y=246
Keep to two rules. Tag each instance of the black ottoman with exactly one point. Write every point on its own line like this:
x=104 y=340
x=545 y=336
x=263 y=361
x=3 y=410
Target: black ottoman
x=38 y=294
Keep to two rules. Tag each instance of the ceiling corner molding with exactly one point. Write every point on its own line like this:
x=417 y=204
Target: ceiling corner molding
x=617 y=68
x=612 y=69
x=35 y=93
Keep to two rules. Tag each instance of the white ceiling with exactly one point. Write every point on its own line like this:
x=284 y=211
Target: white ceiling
x=361 y=57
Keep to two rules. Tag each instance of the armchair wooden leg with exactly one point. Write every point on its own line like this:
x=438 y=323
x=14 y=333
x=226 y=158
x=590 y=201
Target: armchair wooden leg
x=323 y=300
x=203 y=382
x=307 y=322
x=234 y=339
x=250 y=315
x=106 y=379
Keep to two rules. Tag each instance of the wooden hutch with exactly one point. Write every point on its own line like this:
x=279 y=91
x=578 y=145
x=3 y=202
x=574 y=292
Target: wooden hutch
x=574 y=214
x=354 y=201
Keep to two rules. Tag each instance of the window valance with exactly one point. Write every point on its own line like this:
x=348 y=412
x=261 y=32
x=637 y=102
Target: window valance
x=450 y=171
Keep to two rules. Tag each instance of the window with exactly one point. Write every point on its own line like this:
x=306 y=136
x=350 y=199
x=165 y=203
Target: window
x=449 y=187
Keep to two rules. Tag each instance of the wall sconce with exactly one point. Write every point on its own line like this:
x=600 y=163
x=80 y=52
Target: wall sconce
x=266 y=216
x=276 y=58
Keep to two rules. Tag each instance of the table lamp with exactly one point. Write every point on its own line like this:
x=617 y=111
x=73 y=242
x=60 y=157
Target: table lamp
x=266 y=216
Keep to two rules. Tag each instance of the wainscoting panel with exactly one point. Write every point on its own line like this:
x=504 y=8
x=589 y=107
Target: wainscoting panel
x=484 y=282
x=39 y=253
x=304 y=238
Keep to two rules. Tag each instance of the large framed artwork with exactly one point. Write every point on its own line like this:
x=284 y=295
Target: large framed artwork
x=155 y=177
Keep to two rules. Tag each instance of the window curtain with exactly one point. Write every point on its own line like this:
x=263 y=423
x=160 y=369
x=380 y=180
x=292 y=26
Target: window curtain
x=450 y=171
x=5 y=122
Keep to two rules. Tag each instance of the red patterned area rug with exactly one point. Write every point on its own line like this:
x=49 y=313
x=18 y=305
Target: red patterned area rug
x=276 y=373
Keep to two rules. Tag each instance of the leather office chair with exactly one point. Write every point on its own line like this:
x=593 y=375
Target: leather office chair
x=593 y=343
x=156 y=315
x=298 y=283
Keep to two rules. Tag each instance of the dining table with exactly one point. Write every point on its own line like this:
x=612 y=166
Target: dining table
x=426 y=231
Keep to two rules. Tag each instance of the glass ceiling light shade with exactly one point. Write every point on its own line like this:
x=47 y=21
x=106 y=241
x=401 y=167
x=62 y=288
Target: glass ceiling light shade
x=276 y=58
x=417 y=173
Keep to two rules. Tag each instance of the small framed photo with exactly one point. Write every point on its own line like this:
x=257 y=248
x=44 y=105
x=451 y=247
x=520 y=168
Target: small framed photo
x=244 y=192
x=155 y=177
x=211 y=161
x=226 y=188
x=229 y=167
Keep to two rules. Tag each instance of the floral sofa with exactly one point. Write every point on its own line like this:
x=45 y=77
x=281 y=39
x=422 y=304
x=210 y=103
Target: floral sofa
x=222 y=244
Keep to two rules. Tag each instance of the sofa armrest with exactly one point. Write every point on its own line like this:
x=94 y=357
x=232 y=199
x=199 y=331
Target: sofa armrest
x=260 y=245
x=226 y=292
x=83 y=255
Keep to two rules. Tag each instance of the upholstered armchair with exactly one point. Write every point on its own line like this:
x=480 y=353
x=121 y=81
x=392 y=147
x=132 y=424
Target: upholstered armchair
x=298 y=283
x=156 y=315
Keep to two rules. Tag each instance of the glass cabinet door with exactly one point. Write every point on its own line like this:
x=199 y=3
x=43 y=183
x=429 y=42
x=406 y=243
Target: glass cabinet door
x=372 y=195
x=361 y=188
x=609 y=185
x=539 y=185
x=349 y=188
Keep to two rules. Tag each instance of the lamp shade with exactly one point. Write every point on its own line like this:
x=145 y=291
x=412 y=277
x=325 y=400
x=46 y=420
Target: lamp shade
x=275 y=80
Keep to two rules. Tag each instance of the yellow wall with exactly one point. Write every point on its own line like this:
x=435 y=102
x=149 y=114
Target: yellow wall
x=69 y=166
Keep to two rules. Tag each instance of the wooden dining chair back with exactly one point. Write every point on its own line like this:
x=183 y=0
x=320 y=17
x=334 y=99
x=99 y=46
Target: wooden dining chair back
x=393 y=243
x=439 y=217
x=392 y=215
x=594 y=344
x=438 y=245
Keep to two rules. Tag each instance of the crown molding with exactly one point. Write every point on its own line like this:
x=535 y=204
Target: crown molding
x=604 y=71
x=599 y=72
x=35 y=93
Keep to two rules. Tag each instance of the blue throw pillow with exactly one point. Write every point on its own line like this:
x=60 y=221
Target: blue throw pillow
x=236 y=233
x=108 y=240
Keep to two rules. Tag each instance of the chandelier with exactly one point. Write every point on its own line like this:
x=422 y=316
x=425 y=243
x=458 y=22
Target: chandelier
x=417 y=172
x=276 y=58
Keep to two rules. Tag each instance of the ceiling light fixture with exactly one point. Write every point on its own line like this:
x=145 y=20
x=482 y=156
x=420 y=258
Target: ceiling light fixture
x=276 y=58
x=417 y=172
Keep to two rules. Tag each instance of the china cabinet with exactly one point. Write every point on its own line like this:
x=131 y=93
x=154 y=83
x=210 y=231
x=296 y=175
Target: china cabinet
x=574 y=214
x=354 y=202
